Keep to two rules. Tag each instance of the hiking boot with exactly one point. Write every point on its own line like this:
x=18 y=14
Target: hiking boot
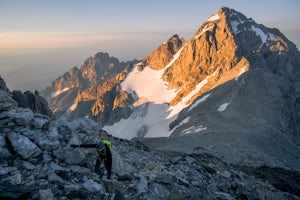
x=108 y=176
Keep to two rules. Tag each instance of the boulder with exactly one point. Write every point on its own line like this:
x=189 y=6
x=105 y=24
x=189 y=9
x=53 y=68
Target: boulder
x=15 y=179
x=40 y=121
x=46 y=194
x=118 y=166
x=4 y=152
x=23 y=146
x=19 y=116
x=142 y=186
x=85 y=126
x=93 y=186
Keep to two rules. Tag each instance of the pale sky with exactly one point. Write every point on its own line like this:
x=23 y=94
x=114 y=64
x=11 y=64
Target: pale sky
x=42 y=39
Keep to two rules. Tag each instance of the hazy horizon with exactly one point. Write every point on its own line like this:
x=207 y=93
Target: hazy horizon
x=40 y=40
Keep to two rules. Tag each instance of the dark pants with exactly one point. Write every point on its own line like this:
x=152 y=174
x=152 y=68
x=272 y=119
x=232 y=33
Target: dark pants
x=107 y=164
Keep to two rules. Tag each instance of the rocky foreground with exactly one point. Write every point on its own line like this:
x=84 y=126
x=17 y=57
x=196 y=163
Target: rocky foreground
x=37 y=162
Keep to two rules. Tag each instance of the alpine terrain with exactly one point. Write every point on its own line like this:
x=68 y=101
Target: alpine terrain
x=232 y=90
x=38 y=162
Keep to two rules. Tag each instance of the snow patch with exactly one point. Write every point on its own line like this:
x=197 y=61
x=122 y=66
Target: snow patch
x=242 y=70
x=151 y=118
x=223 y=107
x=264 y=37
x=234 y=25
x=186 y=120
x=213 y=18
x=176 y=56
x=157 y=89
x=199 y=101
x=272 y=37
x=261 y=34
x=194 y=129
x=203 y=31
x=54 y=94
x=174 y=110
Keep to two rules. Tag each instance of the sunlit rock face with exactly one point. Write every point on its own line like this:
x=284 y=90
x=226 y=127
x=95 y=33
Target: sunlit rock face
x=164 y=53
x=232 y=90
x=81 y=92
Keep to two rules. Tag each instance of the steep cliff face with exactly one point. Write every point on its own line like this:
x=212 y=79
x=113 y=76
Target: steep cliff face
x=163 y=55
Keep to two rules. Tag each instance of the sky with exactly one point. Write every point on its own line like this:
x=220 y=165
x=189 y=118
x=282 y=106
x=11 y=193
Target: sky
x=42 y=39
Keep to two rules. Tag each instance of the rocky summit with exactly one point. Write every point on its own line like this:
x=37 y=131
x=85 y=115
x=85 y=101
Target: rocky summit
x=38 y=162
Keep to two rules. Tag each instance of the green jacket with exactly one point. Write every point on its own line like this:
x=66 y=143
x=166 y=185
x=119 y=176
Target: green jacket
x=102 y=155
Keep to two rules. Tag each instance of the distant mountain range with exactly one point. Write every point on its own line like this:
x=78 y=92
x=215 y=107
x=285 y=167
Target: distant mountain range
x=232 y=90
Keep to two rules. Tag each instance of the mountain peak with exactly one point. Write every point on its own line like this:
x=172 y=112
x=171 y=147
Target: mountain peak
x=229 y=12
x=174 y=37
x=221 y=49
x=261 y=38
x=162 y=55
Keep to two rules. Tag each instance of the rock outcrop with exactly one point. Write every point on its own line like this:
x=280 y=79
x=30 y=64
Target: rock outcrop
x=37 y=162
x=35 y=102
x=3 y=85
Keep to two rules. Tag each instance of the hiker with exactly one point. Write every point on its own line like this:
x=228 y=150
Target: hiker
x=104 y=153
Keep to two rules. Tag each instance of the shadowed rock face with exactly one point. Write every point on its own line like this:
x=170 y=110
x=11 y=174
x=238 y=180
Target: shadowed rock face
x=28 y=100
x=33 y=101
x=38 y=162
x=3 y=85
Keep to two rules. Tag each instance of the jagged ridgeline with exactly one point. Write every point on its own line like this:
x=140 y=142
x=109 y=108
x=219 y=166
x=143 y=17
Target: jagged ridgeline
x=232 y=90
x=227 y=102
